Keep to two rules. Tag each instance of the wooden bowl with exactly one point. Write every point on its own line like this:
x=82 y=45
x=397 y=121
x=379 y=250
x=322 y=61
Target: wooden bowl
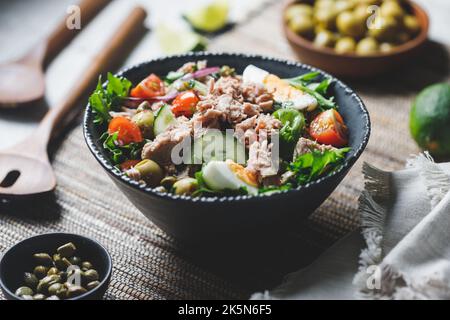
x=352 y=65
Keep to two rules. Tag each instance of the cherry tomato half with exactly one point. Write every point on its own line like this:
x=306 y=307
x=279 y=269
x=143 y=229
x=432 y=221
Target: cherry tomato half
x=329 y=128
x=185 y=103
x=150 y=87
x=128 y=131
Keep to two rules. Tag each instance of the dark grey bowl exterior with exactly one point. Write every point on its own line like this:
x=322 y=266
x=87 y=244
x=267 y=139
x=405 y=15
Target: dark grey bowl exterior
x=202 y=219
x=19 y=259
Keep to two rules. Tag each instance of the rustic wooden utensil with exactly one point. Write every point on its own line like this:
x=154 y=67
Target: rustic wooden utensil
x=28 y=71
x=25 y=168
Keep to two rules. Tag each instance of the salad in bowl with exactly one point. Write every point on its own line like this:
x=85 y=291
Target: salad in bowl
x=203 y=130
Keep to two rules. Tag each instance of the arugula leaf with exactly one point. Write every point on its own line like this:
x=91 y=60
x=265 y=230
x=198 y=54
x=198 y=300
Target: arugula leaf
x=103 y=100
x=120 y=153
x=323 y=102
x=312 y=165
x=293 y=123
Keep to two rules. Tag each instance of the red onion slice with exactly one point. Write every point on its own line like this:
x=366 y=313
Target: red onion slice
x=200 y=73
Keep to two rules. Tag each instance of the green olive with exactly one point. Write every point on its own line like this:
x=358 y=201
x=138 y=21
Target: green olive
x=55 y=288
x=367 y=46
x=43 y=259
x=301 y=25
x=52 y=298
x=299 y=9
x=74 y=291
x=52 y=270
x=67 y=250
x=411 y=24
x=75 y=260
x=90 y=275
x=345 y=45
x=362 y=12
x=30 y=280
x=144 y=120
x=150 y=172
x=344 y=5
x=386 y=47
x=40 y=271
x=45 y=283
x=63 y=276
x=326 y=18
x=384 y=29
x=27 y=297
x=185 y=186
x=391 y=8
x=39 y=296
x=168 y=182
x=324 y=4
x=325 y=38
x=24 y=291
x=86 y=265
x=349 y=24
x=92 y=285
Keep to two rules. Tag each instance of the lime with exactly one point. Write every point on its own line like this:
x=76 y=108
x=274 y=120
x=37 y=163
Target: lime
x=174 y=41
x=209 y=18
x=430 y=119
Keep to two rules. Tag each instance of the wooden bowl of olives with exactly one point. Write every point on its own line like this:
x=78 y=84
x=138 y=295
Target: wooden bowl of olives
x=55 y=266
x=355 y=38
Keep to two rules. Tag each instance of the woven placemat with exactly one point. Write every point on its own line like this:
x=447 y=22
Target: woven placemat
x=148 y=264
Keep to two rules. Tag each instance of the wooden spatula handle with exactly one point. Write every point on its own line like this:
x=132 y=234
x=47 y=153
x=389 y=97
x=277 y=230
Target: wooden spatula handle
x=62 y=35
x=133 y=23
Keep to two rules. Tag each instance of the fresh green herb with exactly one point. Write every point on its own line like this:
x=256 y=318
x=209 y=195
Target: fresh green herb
x=120 y=153
x=293 y=123
x=103 y=100
x=317 y=89
x=312 y=165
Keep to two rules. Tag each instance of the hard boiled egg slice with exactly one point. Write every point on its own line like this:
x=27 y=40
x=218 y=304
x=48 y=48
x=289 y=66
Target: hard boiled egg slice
x=228 y=175
x=281 y=90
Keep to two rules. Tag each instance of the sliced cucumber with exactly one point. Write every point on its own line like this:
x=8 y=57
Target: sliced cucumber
x=164 y=119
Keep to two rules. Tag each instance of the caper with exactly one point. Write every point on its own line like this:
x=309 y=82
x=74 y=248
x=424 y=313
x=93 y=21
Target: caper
x=168 y=182
x=67 y=250
x=63 y=276
x=299 y=9
x=92 y=285
x=226 y=71
x=90 y=275
x=350 y=25
x=43 y=259
x=30 y=280
x=391 y=8
x=302 y=25
x=52 y=270
x=144 y=106
x=55 y=288
x=144 y=120
x=411 y=24
x=150 y=172
x=345 y=45
x=86 y=265
x=24 y=291
x=324 y=38
x=75 y=260
x=40 y=271
x=185 y=186
x=74 y=291
x=45 y=283
x=367 y=46
x=27 y=297
x=39 y=296
x=52 y=298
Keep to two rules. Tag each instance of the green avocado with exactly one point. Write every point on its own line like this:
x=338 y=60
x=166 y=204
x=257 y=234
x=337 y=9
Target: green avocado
x=430 y=119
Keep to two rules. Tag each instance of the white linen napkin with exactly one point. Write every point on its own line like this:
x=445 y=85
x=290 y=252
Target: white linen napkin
x=403 y=251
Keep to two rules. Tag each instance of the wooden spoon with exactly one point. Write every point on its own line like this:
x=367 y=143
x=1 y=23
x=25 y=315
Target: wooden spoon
x=27 y=72
x=25 y=168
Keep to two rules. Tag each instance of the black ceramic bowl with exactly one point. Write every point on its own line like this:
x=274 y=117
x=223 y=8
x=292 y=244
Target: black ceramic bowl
x=19 y=259
x=201 y=219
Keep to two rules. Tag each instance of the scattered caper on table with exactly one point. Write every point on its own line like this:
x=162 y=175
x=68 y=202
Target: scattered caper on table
x=361 y=27
x=60 y=276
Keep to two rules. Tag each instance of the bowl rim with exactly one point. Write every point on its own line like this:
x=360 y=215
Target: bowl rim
x=117 y=174
x=417 y=41
x=106 y=277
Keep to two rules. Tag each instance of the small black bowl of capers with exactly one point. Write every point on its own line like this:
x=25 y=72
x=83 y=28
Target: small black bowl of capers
x=55 y=266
